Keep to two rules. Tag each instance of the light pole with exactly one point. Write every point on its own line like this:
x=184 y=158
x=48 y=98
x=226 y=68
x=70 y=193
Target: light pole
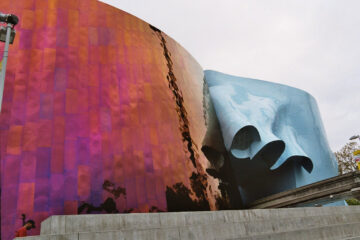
x=7 y=35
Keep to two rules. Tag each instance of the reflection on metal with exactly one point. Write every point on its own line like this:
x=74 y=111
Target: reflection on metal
x=121 y=108
x=316 y=194
x=179 y=100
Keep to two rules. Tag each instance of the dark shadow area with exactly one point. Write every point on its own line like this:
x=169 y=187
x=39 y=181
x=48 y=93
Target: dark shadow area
x=303 y=161
x=269 y=154
x=255 y=180
x=178 y=199
x=230 y=196
x=215 y=158
x=198 y=185
x=245 y=137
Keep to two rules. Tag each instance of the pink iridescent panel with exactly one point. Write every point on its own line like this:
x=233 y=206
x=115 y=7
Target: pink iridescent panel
x=101 y=113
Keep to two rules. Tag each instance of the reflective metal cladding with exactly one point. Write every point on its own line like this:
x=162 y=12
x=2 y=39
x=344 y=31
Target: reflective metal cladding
x=104 y=113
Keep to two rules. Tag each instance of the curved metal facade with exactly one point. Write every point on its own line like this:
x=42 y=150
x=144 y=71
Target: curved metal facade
x=101 y=113
x=104 y=113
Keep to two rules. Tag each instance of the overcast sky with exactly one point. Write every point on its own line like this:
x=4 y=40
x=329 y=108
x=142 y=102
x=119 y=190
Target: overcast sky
x=308 y=44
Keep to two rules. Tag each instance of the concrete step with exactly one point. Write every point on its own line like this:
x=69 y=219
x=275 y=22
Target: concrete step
x=331 y=232
x=113 y=222
x=235 y=230
x=337 y=231
x=237 y=224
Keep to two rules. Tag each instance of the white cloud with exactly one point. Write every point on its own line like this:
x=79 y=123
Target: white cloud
x=312 y=45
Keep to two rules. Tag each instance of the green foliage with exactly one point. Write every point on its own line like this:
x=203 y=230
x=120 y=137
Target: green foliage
x=347 y=164
x=353 y=201
x=346 y=159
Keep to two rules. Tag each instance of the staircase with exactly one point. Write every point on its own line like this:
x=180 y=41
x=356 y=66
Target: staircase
x=284 y=223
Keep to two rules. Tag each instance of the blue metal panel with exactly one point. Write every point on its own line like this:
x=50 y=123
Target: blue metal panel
x=273 y=133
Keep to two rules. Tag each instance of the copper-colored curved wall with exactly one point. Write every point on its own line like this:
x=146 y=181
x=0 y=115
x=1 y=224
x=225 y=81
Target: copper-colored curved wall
x=101 y=113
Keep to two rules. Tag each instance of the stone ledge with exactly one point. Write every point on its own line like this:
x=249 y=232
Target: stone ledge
x=326 y=191
x=91 y=223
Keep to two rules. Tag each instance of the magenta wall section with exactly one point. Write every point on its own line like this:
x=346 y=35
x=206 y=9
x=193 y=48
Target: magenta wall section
x=98 y=105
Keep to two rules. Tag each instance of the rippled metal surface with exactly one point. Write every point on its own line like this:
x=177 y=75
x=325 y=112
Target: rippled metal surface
x=273 y=134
